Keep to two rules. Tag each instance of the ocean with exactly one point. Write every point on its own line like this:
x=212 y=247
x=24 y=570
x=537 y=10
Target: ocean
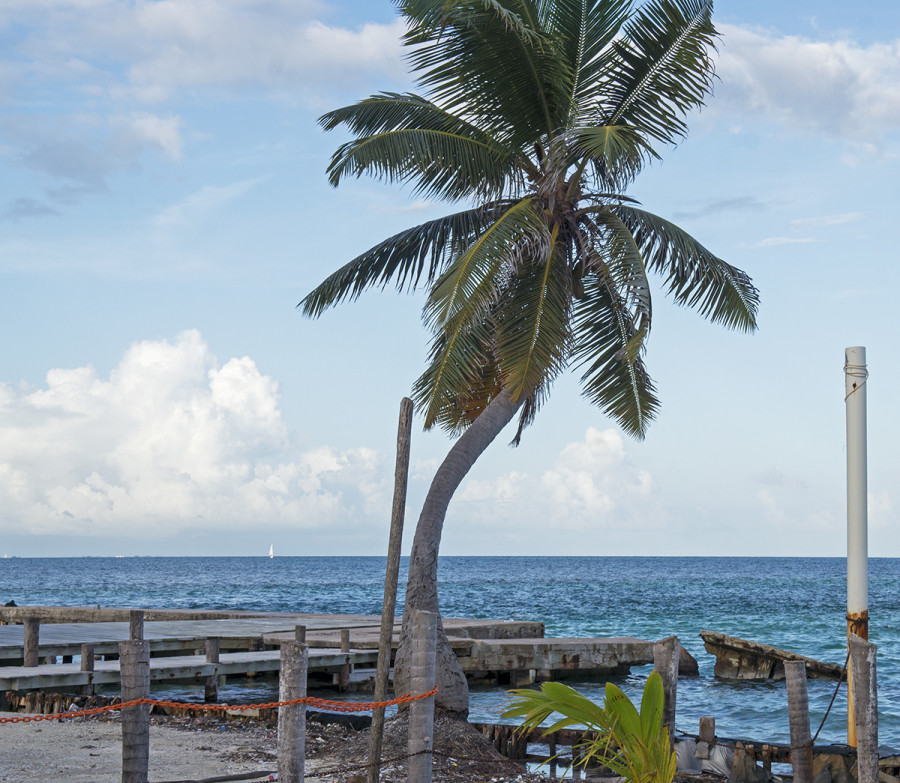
x=795 y=603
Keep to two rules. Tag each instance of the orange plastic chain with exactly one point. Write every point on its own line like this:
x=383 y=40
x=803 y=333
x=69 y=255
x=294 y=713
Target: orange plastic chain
x=312 y=701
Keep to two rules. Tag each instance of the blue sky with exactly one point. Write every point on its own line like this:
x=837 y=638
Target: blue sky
x=164 y=207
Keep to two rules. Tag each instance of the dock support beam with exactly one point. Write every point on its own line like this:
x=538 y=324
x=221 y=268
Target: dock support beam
x=31 y=628
x=211 y=685
x=292 y=719
x=855 y=378
x=421 y=712
x=862 y=658
x=798 y=715
x=134 y=663
x=87 y=665
x=136 y=625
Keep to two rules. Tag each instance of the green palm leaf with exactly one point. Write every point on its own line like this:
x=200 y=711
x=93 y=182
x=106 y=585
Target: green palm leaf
x=620 y=152
x=441 y=162
x=405 y=257
x=695 y=276
x=607 y=341
x=533 y=337
x=618 y=259
x=460 y=49
x=661 y=68
x=459 y=308
x=462 y=287
x=461 y=377
x=585 y=29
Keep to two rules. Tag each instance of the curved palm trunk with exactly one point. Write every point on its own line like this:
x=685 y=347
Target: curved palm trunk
x=421 y=586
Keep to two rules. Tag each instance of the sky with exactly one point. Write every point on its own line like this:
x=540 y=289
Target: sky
x=164 y=207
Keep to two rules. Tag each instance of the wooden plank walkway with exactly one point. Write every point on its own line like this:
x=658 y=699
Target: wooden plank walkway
x=182 y=667
x=504 y=651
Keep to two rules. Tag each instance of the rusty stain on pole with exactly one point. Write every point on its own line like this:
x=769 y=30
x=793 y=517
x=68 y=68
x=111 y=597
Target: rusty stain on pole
x=855 y=378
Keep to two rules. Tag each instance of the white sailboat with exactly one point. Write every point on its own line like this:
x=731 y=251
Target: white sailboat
x=271 y=550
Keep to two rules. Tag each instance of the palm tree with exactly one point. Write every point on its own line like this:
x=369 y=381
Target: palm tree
x=538 y=115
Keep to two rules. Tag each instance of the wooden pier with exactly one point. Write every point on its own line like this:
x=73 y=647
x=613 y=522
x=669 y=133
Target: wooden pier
x=508 y=652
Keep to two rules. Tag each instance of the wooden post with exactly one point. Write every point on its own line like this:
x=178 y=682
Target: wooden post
x=211 y=685
x=862 y=658
x=292 y=719
x=136 y=625
x=798 y=712
x=134 y=666
x=707 y=738
x=252 y=646
x=392 y=571
x=300 y=634
x=421 y=711
x=87 y=665
x=666 y=654
x=31 y=629
x=344 y=676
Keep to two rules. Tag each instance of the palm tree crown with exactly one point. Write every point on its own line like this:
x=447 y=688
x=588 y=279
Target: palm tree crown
x=539 y=115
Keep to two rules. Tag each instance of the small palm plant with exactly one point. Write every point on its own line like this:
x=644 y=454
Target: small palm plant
x=634 y=745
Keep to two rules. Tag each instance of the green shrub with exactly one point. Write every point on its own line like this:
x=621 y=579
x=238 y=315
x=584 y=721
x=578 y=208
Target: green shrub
x=632 y=744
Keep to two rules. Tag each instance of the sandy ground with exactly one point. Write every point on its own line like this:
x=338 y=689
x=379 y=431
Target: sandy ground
x=184 y=750
x=90 y=751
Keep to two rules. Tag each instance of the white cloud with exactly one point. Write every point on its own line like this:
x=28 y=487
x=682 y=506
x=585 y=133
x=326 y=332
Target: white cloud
x=775 y=241
x=171 y=437
x=591 y=485
x=80 y=153
x=148 y=50
x=202 y=202
x=828 y=220
x=838 y=87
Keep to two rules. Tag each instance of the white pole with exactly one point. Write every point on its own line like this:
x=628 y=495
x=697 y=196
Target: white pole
x=855 y=376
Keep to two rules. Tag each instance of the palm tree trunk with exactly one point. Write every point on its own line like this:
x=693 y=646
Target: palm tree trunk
x=421 y=586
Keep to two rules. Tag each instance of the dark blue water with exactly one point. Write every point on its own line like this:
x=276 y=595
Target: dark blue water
x=795 y=603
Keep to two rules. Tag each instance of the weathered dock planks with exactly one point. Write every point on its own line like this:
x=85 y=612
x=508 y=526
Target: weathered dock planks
x=514 y=652
x=742 y=659
x=185 y=667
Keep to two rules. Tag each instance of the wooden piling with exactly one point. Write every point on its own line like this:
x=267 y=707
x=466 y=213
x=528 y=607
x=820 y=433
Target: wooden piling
x=865 y=707
x=87 y=665
x=252 y=646
x=798 y=713
x=707 y=737
x=300 y=634
x=31 y=628
x=134 y=663
x=344 y=675
x=392 y=571
x=292 y=719
x=136 y=625
x=421 y=711
x=666 y=655
x=211 y=685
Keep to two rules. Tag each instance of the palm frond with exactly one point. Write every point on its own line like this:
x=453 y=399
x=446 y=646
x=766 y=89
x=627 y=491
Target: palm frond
x=661 y=69
x=616 y=256
x=462 y=287
x=461 y=377
x=533 y=338
x=440 y=163
x=584 y=30
x=607 y=342
x=490 y=60
x=407 y=257
x=620 y=152
x=696 y=277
